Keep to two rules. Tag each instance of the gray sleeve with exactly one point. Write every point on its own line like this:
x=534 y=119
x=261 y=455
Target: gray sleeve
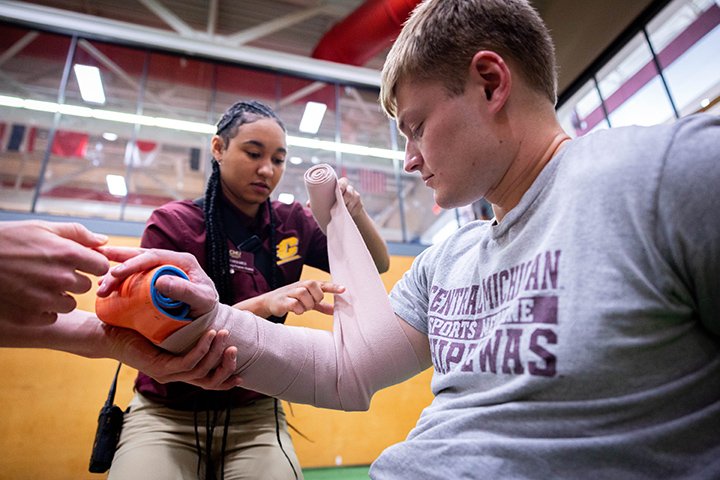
x=409 y=297
x=688 y=212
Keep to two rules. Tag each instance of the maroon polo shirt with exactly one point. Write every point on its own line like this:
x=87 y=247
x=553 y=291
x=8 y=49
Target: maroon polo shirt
x=180 y=226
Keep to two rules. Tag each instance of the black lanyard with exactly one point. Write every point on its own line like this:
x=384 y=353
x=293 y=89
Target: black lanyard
x=245 y=241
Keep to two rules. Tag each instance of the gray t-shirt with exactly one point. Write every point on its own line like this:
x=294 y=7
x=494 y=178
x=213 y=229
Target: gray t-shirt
x=580 y=337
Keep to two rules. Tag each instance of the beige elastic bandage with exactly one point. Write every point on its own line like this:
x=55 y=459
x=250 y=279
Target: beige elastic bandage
x=367 y=349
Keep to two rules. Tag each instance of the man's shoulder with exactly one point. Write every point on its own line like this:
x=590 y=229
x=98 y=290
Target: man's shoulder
x=660 y=136
x=698 y=135
x=643 y=149
x=618 y=153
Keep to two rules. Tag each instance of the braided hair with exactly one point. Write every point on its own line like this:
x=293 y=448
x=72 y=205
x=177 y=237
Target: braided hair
x=216 y=251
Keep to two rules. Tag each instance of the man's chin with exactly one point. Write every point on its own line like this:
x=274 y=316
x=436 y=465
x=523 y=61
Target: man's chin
x=447 y=203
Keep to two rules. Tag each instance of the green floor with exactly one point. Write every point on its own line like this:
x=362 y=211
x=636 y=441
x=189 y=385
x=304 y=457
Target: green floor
x=344 y=473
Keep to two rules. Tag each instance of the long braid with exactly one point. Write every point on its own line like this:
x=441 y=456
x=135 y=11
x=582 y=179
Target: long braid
x=273 y=245
x=216 y=248
x=216 y=251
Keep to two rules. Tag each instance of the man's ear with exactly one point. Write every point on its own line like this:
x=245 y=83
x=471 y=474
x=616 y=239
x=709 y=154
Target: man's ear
x=489 y=72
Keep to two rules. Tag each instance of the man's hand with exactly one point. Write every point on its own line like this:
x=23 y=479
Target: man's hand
x=199 y=292
x=41 y=263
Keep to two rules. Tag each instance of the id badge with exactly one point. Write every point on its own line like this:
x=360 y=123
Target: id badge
x=242 y=262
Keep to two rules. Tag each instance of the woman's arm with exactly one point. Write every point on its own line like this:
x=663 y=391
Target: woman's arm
x=368 y=230
x=298 y=298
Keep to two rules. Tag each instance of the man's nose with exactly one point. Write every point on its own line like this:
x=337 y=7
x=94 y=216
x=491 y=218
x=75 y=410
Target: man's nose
x=413 y=159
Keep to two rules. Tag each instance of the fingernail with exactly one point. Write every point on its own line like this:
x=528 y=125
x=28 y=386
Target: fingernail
x=100 y=237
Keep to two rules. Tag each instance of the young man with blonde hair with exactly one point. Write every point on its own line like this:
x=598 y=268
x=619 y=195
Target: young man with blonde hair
x=576 y=334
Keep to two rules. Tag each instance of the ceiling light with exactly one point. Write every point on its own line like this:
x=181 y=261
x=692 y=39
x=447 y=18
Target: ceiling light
x=109 y=136
x=344 y=147
x=14 y=102
x=91 y=88
x=296 y=160
x=75 y=111
x=287 y=198
x=705 y=102
x=116 y=185
x=185 y=126
x=312 y=118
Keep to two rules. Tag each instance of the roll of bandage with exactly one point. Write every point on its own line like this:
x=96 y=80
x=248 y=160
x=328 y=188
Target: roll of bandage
x=138 y=305
x=321 y=184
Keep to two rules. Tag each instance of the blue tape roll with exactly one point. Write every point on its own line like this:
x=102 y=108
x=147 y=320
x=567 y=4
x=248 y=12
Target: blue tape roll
x=172 y=308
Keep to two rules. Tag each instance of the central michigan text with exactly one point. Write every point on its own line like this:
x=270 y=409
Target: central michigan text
x=506 y=324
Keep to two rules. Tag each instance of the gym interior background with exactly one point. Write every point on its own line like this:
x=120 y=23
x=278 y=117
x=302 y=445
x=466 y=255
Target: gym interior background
x=168 y=68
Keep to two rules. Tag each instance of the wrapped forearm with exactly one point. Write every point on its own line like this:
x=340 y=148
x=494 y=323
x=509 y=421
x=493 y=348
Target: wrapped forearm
x=339 y=369
x=367 y=349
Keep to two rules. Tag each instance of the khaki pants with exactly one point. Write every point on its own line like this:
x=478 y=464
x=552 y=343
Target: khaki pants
x=158 y=443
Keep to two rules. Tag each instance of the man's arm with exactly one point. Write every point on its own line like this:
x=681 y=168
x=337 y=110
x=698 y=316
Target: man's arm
x=341 y=369
x=688 y=224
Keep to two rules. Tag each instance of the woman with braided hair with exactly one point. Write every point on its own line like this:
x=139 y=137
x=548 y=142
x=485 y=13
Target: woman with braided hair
x=254 y=250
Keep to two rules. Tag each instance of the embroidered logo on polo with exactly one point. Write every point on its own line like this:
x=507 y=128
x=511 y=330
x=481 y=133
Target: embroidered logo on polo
x=287 y=250
x=507 y=324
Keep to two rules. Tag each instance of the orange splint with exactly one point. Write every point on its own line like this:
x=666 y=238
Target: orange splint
x=138 y=305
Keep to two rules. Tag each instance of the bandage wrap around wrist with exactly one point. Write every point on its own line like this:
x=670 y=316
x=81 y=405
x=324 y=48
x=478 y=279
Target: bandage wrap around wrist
x=367 y=349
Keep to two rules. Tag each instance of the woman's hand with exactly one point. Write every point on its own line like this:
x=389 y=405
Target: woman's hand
x=368 y=230
x=352 y=199
x=298 y=298
x=210 y=364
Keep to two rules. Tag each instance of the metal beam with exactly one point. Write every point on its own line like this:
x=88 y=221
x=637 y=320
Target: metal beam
x=169 y=17
x=18 y=46
x=107 y=29
x=259 y=31
x=212 y=17
x=300 y=93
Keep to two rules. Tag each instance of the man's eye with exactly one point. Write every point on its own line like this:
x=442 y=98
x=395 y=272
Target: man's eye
x=279 y=161
x=417 y=131
x=253 y=154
